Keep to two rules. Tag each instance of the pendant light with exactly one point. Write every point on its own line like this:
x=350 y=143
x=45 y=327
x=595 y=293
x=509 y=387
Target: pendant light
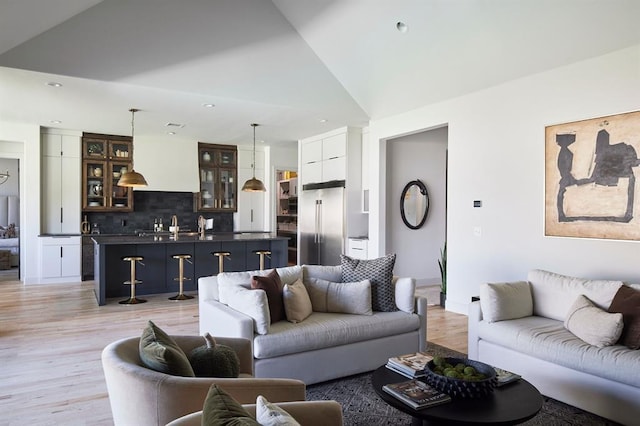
x=253 y=184
x=132 y=179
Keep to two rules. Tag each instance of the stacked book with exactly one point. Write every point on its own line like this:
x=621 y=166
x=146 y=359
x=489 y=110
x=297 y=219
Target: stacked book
x=416 y=394
x=409 y=365
x=504 y=376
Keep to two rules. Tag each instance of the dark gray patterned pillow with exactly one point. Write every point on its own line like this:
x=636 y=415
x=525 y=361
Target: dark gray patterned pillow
x=379 y=272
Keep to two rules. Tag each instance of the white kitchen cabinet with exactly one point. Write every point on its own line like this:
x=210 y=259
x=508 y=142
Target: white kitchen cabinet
x=357 y=248
x=60 y=259
x=251 y=214
x=61 y=169
x=329 y=157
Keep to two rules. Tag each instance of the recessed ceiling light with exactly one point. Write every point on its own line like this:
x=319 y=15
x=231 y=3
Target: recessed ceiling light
x=55 y=121
x=208 y=105
x=171 y=133
x=402 y=27
x=54 y=84
x=323 y=120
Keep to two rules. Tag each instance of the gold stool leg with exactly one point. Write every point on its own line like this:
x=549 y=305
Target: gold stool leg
x=132 y=300
x=181 y=295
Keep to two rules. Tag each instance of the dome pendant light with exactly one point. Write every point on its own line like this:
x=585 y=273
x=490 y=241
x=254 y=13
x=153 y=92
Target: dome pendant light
x=132 y=179
x=253 y=184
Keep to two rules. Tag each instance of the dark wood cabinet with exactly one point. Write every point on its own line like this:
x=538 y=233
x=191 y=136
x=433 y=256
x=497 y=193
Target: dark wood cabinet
x=218 y=171
x=104 y=159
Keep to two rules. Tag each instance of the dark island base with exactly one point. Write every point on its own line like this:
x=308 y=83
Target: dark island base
x=160 y=269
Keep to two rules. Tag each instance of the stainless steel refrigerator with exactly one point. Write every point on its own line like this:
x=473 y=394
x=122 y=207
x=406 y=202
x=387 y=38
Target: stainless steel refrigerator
x=321 y=223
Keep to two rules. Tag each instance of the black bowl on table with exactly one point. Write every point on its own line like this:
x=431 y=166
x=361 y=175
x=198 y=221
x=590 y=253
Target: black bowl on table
x=461 y=388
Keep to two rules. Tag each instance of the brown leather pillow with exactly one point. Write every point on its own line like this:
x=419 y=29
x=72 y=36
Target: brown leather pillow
x=272 y=285
x=627 y=302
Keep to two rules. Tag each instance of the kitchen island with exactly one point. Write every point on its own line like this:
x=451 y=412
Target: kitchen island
x=160 y=269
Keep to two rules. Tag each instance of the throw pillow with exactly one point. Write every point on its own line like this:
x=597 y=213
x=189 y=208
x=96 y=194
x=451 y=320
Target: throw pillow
x=271 y=285
x=505 y=301
x=220 y=409
x=379 y=272
x=252 y=303
x=592 y=324
x=627 y=302
x=214 y=360
x=345 y=298
x=297 y=305
x=268 y=414
x=227 y=281
x=159 y=352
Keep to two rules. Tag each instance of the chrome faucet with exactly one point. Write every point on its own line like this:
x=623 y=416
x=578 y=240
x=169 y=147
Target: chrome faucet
x=174 y=225
x=201 y=225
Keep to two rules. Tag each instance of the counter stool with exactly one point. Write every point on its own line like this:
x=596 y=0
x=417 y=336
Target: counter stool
x=262 y=254
x=133 y=282
x=181 y=258
x=222 y=255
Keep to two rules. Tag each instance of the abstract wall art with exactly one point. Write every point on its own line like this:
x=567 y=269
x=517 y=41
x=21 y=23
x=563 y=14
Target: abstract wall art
x=591 y=178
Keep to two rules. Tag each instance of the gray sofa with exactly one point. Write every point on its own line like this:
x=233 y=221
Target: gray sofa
x=325 y=345
x=602 y=380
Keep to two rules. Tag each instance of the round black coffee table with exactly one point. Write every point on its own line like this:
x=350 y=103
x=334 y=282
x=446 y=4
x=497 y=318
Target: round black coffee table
x=508 y=405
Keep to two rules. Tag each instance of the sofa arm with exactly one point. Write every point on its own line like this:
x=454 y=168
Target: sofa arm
x=220 y=320
x=307 y=413
x=474 y=318
x=421 y=311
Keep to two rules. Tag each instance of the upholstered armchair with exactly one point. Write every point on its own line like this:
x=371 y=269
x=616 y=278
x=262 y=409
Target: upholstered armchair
x=141 y=396
x=307 y=413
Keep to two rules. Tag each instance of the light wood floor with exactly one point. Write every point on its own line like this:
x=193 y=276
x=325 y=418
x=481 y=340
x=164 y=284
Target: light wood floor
x=51 y=337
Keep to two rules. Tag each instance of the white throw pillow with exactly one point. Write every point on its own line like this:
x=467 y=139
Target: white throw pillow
x=505 y=301
x=553 y=293
x=346 y=298
x=297 y=305
x=252 y=303
x=592 y=324
x=268 y=414
x=329 y=273
x=405 y=289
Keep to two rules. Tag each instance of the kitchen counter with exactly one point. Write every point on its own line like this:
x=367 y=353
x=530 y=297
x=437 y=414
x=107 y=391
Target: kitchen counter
x=160 y=270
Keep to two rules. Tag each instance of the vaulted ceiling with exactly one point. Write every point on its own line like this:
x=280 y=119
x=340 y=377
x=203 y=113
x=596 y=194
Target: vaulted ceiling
x=297 y=67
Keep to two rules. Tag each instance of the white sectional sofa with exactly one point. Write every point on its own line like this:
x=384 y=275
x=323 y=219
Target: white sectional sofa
x=521 y=327
x=323 y=346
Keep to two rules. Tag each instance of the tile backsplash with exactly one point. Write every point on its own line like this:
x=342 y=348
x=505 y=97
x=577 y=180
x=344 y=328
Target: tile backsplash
x=151 y=205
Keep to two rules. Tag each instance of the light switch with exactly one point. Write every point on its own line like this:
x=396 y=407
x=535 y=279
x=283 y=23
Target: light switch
x=477 y=231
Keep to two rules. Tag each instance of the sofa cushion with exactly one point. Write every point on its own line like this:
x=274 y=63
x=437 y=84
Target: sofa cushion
x=504 y=301
x=227 y=281
x=627 y=302
x=220 y=409
x=324 y=330
x=159 y=352
x=272 y=286
x=346 y=298
x=329 y=273
x=592 y=324
x=297 y=305
x=253 y=303
x=268 y=414
x=547 y=339
x=379 y=272
x=553 y=294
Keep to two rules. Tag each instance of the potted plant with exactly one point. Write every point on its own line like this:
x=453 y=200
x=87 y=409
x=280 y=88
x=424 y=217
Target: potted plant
x=442 y=263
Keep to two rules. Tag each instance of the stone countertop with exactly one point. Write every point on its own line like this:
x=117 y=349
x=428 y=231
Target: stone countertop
x=190 y=237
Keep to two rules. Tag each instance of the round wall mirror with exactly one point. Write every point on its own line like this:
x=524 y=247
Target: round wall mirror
x=414 y=204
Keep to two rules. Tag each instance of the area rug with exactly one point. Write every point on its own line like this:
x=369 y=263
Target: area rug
x=361 y=406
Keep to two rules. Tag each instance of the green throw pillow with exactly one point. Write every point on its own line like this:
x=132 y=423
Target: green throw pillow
x=159 y=352
x=213 y=360
x=220 y=409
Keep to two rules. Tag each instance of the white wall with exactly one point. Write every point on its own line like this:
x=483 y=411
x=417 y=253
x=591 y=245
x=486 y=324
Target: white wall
x=419 y=156
x=496 y=154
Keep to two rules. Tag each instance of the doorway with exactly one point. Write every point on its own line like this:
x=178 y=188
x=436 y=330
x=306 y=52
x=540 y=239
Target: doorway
x=9 y=219
x=287 y=210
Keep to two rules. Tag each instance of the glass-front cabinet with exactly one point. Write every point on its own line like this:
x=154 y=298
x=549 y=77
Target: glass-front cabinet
x=218 y=172
x=105 y=158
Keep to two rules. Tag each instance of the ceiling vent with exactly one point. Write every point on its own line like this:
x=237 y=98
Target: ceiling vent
x=176 y=125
